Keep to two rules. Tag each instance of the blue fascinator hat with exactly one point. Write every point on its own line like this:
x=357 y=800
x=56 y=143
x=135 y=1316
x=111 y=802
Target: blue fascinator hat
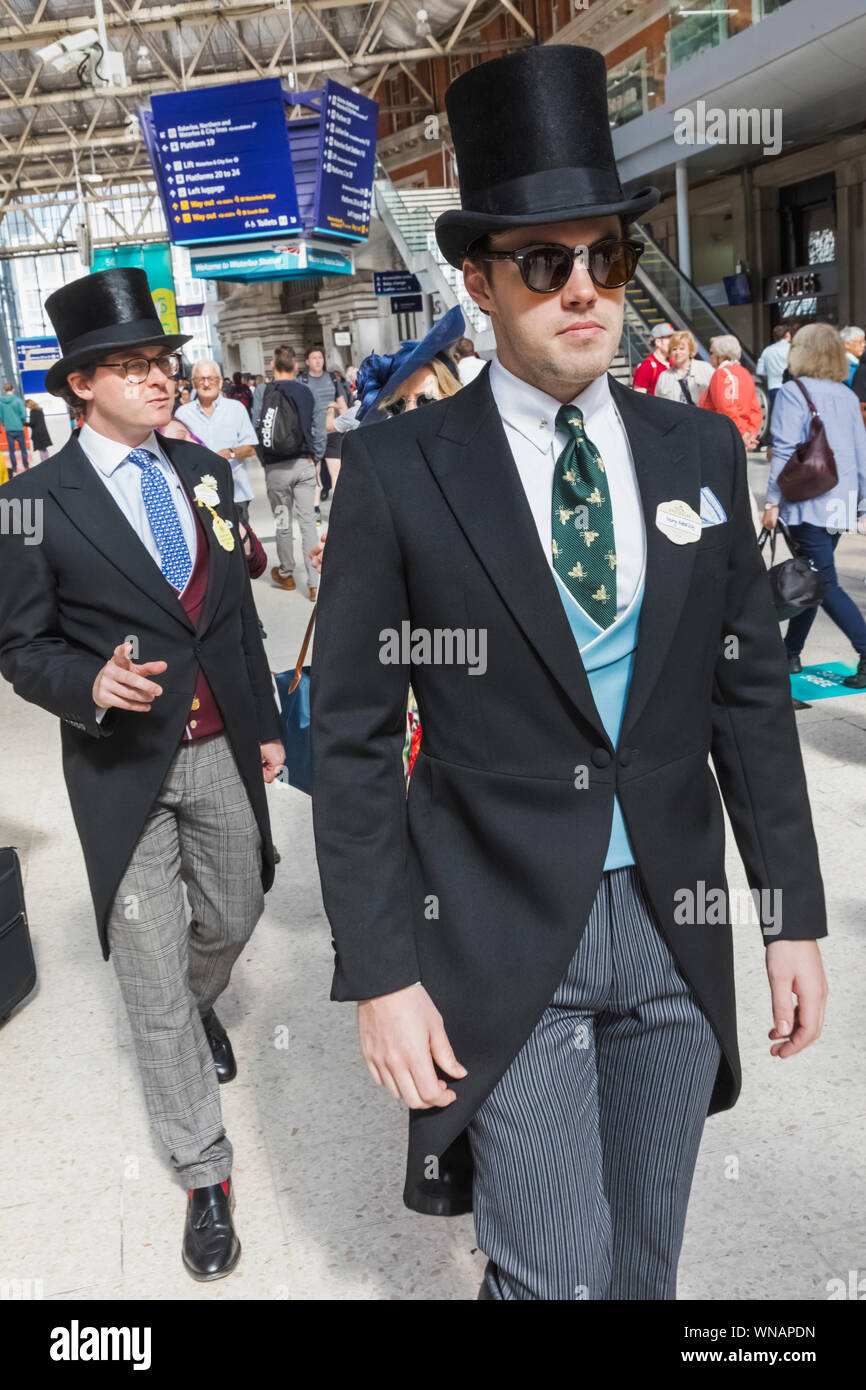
x=379 y=375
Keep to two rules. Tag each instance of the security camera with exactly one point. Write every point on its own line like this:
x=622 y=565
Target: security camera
x=84 y=54
x=68 y=53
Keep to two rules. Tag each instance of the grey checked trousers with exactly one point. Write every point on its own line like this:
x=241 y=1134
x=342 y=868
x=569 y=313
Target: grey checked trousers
x=202 y=834
x=585 y=1149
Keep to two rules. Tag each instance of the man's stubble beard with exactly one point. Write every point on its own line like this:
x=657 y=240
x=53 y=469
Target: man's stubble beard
x=544 y=369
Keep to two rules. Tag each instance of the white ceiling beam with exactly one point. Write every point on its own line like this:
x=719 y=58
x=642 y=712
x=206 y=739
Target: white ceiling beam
x=338 y=48
x=458 y=27
x=413 y=79
x=66 y=95
x=373 y=30
x=39 y=33
x=513 y=10
x=239 y=43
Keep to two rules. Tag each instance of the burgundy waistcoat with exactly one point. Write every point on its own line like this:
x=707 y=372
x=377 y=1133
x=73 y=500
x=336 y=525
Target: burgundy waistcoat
x=204 y=716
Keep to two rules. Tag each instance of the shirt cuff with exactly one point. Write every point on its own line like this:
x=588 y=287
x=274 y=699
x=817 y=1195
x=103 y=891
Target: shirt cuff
x=101 y=713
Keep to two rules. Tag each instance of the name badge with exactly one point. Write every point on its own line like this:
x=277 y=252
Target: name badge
x=678 y=521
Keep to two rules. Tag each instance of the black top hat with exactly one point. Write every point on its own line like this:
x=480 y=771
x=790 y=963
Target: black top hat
x=531 y=133
x=101 y=313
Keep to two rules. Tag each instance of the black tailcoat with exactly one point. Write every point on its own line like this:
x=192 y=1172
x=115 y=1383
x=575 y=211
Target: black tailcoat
x=66 y=603
x=430 y=524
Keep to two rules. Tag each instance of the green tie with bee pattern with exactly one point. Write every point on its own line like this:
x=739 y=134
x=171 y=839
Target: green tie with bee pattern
x=584 y=553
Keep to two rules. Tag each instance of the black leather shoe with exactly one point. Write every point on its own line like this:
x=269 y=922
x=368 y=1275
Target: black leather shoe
x=858 y=680
x=795 y=665
x=210 y=1247
x=221 y=1048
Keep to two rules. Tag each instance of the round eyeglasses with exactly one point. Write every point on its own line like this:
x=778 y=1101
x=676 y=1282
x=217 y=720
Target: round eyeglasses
x=547 y=266
x=137 y=369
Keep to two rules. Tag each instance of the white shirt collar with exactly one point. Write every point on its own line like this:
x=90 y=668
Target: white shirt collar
x=108 y=454
x=532 y=412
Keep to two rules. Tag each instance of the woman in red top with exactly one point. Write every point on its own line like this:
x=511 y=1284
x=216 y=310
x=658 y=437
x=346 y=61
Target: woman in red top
x=732 y=391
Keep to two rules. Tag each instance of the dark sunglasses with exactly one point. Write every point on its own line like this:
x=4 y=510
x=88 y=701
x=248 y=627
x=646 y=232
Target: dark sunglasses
x=397 y=407
x=546 y=266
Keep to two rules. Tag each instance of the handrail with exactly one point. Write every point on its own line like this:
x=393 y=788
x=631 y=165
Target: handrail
x=646 y=277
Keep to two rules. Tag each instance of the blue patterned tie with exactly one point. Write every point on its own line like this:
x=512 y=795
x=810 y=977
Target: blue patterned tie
x=175 y=561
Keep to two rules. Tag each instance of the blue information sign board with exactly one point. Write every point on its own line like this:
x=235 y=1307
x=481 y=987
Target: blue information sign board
x=395 y=282
x=35 y=356
x=347 y=155
x=223 y=163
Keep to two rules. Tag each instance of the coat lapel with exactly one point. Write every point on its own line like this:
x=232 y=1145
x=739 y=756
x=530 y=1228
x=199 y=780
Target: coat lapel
x=668 y=467
x=473 y=465
x=89 y=505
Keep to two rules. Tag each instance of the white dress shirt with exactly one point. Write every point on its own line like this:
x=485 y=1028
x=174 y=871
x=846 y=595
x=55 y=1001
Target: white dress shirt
x=529 y=416
x=227 y=427
x=123 y=481
x=122 y=478
x=469 y=367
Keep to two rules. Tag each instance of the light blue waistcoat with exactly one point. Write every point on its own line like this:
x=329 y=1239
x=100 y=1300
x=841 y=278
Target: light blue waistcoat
x=608 y=657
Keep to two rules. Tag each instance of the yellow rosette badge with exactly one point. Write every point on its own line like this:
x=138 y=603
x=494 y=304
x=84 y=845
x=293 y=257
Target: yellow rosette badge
x=206 y=496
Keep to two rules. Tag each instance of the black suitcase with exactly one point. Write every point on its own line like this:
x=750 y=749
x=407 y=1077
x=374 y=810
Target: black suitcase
x=17 y=966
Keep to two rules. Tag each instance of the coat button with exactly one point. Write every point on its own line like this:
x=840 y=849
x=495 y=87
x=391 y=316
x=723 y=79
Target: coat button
x=600 y=757
x=625 y=757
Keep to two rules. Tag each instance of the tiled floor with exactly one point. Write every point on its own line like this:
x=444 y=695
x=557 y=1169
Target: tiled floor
x=89 y=1208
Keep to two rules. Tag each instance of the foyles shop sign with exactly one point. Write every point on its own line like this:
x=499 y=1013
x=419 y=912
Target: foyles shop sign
x=805 y=282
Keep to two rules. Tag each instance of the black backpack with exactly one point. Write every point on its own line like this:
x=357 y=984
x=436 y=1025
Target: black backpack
x=280 y=432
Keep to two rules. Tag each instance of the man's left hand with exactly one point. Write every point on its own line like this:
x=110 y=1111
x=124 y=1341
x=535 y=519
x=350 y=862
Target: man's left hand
x=273 y=758
x=795 y=968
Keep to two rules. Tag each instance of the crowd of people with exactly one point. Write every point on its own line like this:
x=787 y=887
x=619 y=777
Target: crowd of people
x=556 y=1091
x=225 y=414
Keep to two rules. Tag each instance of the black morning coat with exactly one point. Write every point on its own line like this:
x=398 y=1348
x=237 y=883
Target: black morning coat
x=479 y=884
x=91 y=584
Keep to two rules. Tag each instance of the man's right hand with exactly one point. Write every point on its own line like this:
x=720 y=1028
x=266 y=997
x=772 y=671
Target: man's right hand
x=402 y=1035
x=123 y=685
x=317 y=552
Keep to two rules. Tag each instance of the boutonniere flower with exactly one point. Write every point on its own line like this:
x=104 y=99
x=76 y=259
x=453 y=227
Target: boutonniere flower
x=206 y=491
x=207 y=496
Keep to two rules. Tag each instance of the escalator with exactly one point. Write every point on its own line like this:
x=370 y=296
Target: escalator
x=661 y=293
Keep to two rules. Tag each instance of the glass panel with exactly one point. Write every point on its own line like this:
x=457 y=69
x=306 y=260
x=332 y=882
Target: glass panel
x=673 y=295
x=627 y=90
x=692 y=33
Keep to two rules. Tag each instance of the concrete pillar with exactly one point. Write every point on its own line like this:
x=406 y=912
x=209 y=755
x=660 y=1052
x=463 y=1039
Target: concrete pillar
x=851 y=240
x=684 y=245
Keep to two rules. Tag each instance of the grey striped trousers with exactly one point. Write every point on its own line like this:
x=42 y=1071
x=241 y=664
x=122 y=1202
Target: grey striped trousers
x=585 y=1149
x=201 y=834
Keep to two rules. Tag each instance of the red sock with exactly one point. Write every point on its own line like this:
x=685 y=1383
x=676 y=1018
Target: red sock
x=225 y=1188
